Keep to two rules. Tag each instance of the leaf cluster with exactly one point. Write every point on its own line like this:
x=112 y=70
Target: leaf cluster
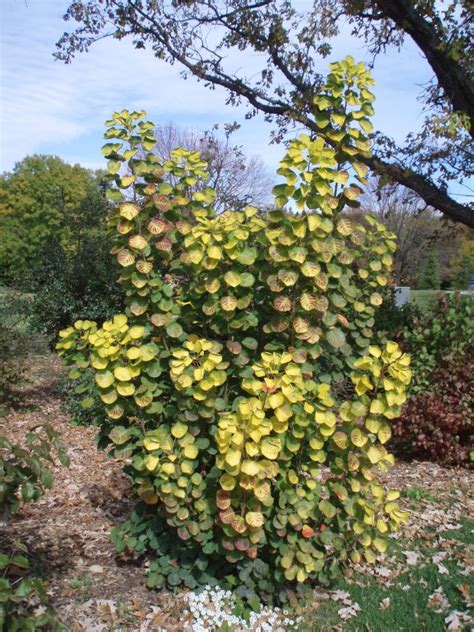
x=13 y=348
x=24 y=469
x=438 y=425
x=445 y=339
x=437 y=420
x=18 y=594
x=24 y=477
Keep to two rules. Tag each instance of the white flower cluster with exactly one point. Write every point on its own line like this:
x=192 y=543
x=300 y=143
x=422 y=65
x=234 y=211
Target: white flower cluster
x=212 y=607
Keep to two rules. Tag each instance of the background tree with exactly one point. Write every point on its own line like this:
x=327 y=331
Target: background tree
x=429 y=279
x=202 y=35
x=419 y=231
x=54 y=242
x=463 y=268
x=41 y=200
x=238 y=179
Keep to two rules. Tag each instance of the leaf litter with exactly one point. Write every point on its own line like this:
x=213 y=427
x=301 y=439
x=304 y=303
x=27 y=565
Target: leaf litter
x=68 y=531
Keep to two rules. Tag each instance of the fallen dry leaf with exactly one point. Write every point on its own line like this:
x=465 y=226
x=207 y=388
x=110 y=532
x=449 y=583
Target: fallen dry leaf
x=96 y=568
x=68 y=530
x=442 y=570
x=457 y=621
x=349 y=611
x=411 y=557
x=438 y=600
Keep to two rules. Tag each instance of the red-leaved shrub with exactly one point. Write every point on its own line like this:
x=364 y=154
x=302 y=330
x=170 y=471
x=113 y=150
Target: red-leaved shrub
x=438 y=425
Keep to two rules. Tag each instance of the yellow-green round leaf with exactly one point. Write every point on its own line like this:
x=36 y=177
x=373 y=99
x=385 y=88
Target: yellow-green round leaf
x=136 y=332
x=232 y=278
x=143 y=399
x=374 y=454
x=214 y=252
x=109 y=397
x=179 y=429
x=190 y=451
x=133 y=353
x=232 y=457
x=115 y=412
x=254 y=519
x=327 y=508
x=271 y=447
x=123 y=374
x=358 y=438
x=227 y=482
x=105 y=379
x=174 y=330
x=228 y=303
x=384 y=433
x=251 y=468
x=151 y=462
x=340 y=439
x=125 y=389
x=129 y=210
x=151 y=444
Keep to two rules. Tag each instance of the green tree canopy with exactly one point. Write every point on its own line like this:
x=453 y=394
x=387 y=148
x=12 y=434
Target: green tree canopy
x=430 y=275
x=291 y=38
x=44 y=199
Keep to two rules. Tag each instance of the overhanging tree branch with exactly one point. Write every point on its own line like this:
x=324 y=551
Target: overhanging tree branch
x=233 y=84
x=457 y=84
x=429 y=192
x=173 y=30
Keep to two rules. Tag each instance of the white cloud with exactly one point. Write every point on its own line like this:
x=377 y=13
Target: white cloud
x=48 y=103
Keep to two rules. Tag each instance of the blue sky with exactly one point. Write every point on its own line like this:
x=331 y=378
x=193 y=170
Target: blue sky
x=50 y=107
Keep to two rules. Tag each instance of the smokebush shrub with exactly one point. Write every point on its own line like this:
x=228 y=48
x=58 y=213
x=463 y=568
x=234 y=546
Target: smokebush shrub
x=242 y=381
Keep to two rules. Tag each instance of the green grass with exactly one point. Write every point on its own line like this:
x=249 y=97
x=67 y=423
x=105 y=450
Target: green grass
x=16 y=332
x=409 y=592
x=426 y=299
x=423 y=299
x=465 y=535
x=14 y=308
x=416 y=493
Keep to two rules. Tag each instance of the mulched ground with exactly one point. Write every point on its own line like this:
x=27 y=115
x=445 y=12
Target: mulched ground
x=67 y=531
